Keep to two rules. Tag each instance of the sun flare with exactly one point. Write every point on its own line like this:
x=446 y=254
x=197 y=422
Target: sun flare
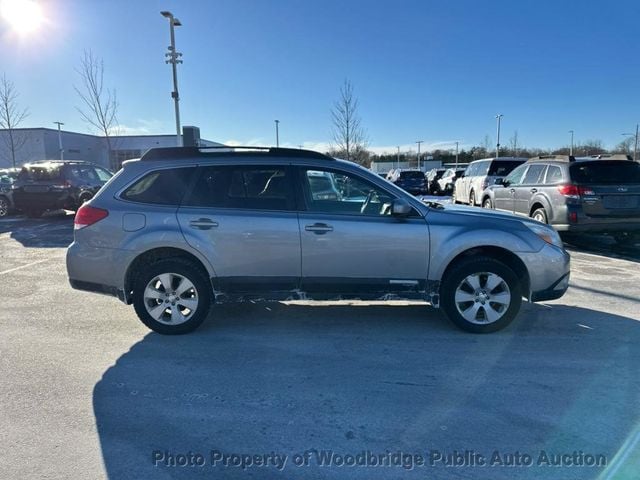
x=24 y=16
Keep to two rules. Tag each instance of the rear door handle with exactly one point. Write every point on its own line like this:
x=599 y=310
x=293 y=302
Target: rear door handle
x=319 y=228
x=203 y=224
x=533 y=190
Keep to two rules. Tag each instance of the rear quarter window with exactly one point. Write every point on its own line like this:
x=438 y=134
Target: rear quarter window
x=160 y=187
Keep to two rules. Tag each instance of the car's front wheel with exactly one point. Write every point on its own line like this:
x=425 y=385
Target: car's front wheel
x=486 y=203
x=481 y=295
x=172 y=297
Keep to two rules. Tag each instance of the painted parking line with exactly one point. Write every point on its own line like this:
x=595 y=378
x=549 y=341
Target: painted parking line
x=25 y=266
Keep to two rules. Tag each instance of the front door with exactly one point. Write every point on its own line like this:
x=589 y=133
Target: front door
x=350 y=242
x=504 y=196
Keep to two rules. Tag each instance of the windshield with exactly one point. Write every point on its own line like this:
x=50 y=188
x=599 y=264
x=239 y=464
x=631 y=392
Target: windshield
x=605 y=172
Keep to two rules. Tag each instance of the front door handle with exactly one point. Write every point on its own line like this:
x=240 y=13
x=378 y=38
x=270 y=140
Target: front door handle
x=203 y=224
x=319 y=228
x=533 y=190
x=513 y=190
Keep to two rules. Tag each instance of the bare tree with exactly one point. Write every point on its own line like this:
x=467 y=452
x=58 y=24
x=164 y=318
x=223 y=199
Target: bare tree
x=513 y=144
x=11 y=116
x=100 y=105
x=348 y=134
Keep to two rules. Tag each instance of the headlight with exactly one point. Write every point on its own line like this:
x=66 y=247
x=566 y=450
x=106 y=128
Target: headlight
x=546 y=233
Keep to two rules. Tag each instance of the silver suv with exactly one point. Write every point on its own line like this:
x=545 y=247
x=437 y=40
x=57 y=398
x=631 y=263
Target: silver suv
x=184 y=227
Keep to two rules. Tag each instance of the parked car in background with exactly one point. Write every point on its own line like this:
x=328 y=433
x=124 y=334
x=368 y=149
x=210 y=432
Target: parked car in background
x=479 y=175
x=412 y=181
x=7 y=177
x=432 y=177
x=183 y=227
x=56 y=184
x=448 y=180
x=590 y=194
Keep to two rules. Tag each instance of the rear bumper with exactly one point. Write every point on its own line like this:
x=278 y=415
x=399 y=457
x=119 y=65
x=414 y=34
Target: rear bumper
x=98 y=270
x=44 y=201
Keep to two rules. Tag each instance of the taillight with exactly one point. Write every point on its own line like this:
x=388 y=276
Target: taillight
x=573 y=217
x=574 y=190
x=88 y=215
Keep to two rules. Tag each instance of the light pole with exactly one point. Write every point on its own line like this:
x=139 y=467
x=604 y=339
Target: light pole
x=174 y=60
x=277 y=133
x=419 y=142
x=398 y=157
x=498 y=118
x=571 y=147
x=635 y=143
x=457 y=154
x=60 y=140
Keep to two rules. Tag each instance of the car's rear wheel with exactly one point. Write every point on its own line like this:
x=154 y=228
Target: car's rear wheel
x=540 y=215
x=486 y=203
x=481 y=295
x=4 y=207
x=172 y=297
x=472 y=199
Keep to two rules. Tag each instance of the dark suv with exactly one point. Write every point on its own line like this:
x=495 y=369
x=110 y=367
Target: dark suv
x=594 y=194
x=412 y=181
x=56 y=184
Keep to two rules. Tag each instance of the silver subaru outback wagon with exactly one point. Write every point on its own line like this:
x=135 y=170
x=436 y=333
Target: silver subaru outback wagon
x=181 y=228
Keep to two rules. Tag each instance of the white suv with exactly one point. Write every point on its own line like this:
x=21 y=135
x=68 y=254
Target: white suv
x=480 y=174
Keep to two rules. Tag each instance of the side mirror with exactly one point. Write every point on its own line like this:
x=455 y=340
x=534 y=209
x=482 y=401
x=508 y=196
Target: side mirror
x=400 y=208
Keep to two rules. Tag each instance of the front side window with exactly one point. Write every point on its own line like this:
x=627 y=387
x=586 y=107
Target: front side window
x=161 y=187
x=247 y=187
x=103 y=175
x=328 y=191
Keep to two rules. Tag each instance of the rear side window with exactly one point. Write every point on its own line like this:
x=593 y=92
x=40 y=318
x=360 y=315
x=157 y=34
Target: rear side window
x=503 y=167
x=605 y=172
x=412 y=175
x=480 y=169
x=161 y=187
x=554 y=175
x=534 y=175
x=250 y=187
x=41 y=173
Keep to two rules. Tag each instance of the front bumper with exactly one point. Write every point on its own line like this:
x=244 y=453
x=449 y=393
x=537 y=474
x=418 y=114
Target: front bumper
x=549 y=272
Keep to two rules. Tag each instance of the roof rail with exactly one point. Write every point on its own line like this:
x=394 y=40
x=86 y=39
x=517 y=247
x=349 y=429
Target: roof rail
x=176 y=153
x=557 y=158
x=607 y=156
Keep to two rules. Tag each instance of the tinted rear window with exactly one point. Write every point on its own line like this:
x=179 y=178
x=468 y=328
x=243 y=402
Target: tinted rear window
x=41 y=173
x=607 y=172
x=411 y=175
x=503 y=168
x=162 y=187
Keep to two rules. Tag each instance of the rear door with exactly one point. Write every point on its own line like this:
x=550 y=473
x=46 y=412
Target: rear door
x=609 y=188
x=529 y=186
x=353 y=245
x=243 y=219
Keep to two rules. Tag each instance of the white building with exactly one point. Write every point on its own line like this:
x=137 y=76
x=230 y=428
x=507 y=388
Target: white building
x=43 y=144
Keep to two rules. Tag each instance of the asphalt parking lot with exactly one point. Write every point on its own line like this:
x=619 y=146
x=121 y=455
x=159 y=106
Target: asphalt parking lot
x=303 y=390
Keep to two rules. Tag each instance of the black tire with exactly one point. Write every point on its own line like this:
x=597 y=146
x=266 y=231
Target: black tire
x=84 y=198
x=4 y=207
x=539 y=214
x=472 y=199
x=177 y=267
x=487 y=203
x=456 y=277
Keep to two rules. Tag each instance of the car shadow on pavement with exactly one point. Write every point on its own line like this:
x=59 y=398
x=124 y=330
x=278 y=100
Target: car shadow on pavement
x=267 y=379
x=51 y=231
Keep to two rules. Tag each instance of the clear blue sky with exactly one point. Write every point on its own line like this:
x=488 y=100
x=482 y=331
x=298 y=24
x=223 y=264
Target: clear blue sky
x=422 y=70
